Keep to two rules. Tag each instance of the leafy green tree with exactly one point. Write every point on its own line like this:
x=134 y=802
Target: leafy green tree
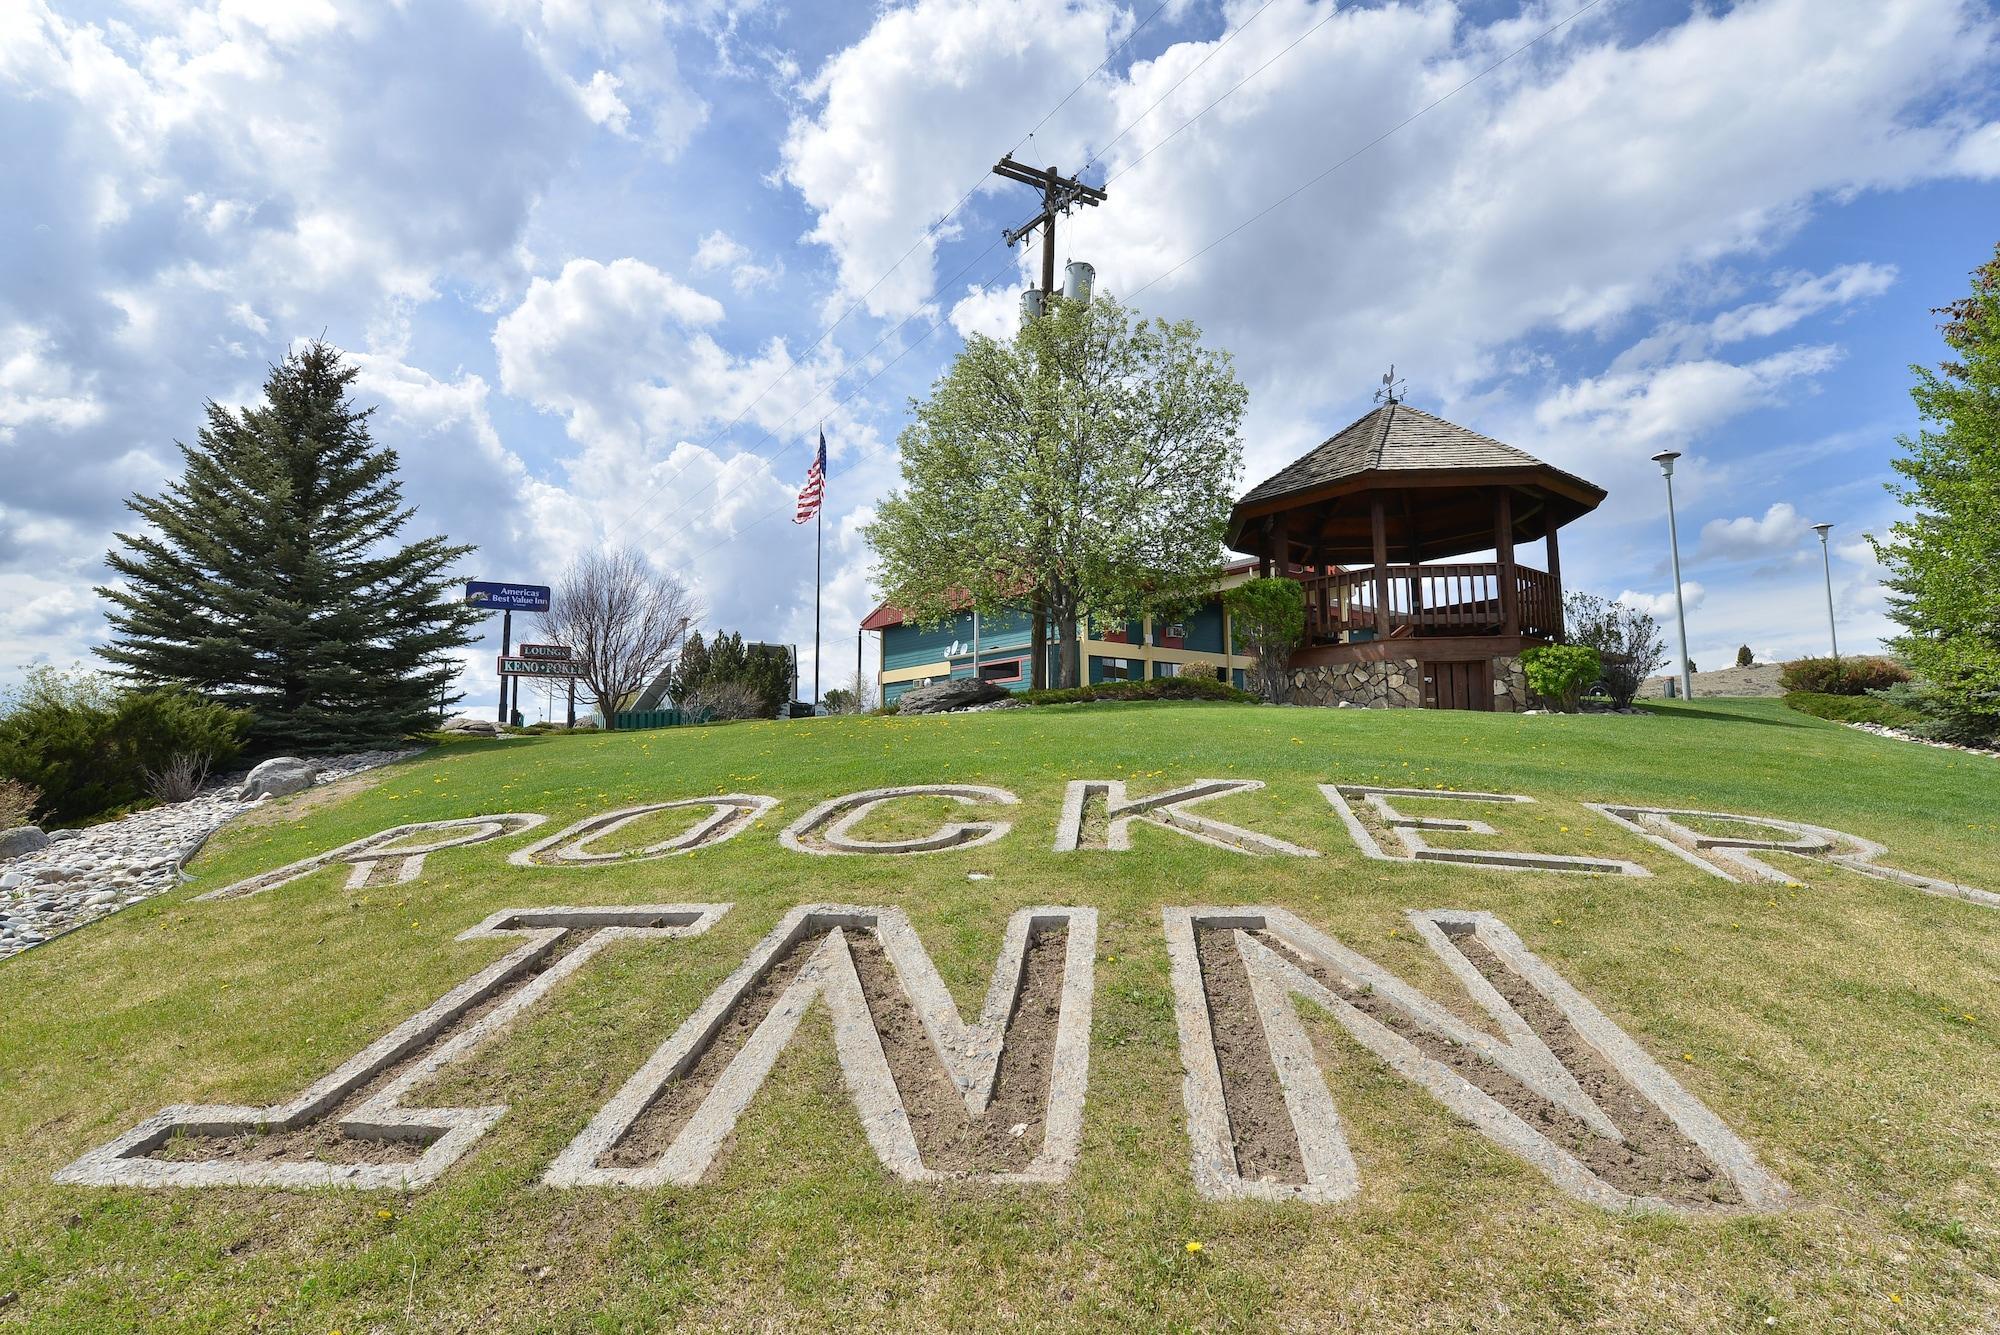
x=1267 y=617
x=270 y=578
x=1944 y=560
x=1086 y=465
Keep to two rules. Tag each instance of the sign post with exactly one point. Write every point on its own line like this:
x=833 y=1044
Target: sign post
x=509 y=598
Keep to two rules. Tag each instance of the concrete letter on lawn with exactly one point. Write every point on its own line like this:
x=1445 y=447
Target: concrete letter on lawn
x=1409 y=832
x=1285 y=959
x=1165 y=811
x=1724 y=855
x=827 y=827
x=970 y=1055
x=447 y=1031
x=381 y=859
x=730 y=814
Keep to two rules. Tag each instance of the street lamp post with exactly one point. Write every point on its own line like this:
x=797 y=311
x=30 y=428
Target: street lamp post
x=1665 y=459
x=1826 y=568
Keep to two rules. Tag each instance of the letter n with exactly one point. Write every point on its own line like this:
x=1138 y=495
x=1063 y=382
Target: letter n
x=1264 y=1125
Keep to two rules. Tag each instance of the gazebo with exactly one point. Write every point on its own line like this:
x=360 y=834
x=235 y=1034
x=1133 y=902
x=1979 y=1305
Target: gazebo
x=1368 y=522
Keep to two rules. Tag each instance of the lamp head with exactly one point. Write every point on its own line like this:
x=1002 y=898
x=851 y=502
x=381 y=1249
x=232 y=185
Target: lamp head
x=1821 y=529
x=1665 y=459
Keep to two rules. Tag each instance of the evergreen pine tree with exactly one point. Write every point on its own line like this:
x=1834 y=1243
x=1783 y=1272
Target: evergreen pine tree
x=690 y=669
x=271 y=579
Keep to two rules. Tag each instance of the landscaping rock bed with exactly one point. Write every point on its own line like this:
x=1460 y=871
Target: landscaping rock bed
x=1899 y=735
x=79 y=876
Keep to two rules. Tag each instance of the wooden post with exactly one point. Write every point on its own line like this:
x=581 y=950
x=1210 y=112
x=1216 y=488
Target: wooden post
x=1416 y=560
x=1380 y=532
x=1503 y=542
x=1556 y=582
x=1281 y=544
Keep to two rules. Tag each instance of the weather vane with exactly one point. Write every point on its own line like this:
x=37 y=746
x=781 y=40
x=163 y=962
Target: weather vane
x=1392 y=389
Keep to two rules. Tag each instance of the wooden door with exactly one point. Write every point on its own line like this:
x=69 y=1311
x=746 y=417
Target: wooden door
x=1458 y=685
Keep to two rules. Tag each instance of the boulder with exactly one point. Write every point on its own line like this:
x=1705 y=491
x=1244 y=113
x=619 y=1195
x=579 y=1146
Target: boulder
x=21 y=839
x=278 y=777
x=473 y=727
x=943 y=696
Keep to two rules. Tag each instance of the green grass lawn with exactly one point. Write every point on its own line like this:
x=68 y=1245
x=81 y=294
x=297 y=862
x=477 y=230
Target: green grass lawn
x=1848 y=1030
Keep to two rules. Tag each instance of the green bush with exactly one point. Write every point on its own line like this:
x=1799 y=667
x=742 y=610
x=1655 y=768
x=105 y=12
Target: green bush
x=1200 y=672
x=1744 y=658
x=1560 y=673
x=88 y=743
x=1159 y=688
x=1938 y=716
x=1855 y=709
x=1841 y=676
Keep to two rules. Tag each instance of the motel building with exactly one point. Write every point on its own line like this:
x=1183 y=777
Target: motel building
x=1381 y=523
x=913 y=655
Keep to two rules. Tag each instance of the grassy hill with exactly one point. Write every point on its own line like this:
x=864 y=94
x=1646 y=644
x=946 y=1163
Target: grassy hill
x=1846 y=1029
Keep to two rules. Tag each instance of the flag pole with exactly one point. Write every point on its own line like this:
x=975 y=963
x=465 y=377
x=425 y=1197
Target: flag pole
x=819 y=524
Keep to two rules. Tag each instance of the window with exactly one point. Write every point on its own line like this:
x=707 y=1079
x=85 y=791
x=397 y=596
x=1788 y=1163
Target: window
x=1166 y=669
x=1115 y=669
x=1007 y=671
x=1177 y=631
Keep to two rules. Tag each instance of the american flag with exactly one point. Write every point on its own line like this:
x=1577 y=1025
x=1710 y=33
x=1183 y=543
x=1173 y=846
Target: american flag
x=814 y=490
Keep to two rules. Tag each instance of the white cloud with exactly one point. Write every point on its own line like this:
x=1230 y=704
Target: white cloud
x=34 y=388
x=1665 y=406
x=1660 y=606
x=719 y=250
x=1780 y=530
x=1805 y=295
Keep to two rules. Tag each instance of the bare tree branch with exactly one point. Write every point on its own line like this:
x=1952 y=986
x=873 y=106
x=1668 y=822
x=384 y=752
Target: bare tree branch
x=623 y=620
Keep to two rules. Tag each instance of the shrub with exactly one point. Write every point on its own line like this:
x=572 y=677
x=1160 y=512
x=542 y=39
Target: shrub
x=179 y=779
x=1855 y=709
x=1627 y=640
x=723 y=701
x=1938 y=718
x=838 y=701
x=1560 y=673
x=88 y=744
x=1159 y=688
x=1268 y=616
x=17 y=803
x=1744 y=658
x=1841 y=676
x=1200 y=672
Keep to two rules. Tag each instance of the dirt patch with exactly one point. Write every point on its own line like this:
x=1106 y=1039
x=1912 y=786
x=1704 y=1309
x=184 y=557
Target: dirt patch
x=322 y=1140
x=1654 y=1159
x=287 y=810
x=949 y=1140
x=653 y=1132
x=1260 y=1126
x=1760 y=679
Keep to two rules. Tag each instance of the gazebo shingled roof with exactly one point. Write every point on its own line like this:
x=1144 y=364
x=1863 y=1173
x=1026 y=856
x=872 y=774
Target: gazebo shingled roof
x=1398 y=448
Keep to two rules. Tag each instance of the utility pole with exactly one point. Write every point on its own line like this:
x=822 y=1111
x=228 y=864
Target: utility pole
x=1060 y=194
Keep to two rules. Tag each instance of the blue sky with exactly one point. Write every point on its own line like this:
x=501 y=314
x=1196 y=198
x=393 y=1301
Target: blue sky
x=587 y=253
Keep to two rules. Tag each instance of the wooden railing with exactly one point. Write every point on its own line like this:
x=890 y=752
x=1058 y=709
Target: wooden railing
x=1460 y=599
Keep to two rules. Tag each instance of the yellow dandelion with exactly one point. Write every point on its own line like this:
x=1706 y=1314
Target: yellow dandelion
x=1194 y=1248
x=385 y=1214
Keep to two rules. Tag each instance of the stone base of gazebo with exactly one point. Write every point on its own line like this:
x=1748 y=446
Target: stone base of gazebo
x=1398 y=683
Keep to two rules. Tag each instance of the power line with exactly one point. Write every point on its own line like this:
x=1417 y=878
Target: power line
x=1407 y=120
x=792 y=363
x=1193 y=70
x=1333 y=12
